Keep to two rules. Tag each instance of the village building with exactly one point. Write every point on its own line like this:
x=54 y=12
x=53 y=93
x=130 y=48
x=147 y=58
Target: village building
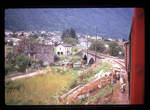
x=84 y=43
x=11 y=39
x=111 y=39
x=121 y=39
x=99 y=38
x=8 y=33
x=63 y=49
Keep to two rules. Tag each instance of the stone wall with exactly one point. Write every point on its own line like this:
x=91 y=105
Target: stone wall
x=38 y=52
x=45 y=53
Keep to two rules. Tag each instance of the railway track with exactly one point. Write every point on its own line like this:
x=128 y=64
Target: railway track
x=89 y=89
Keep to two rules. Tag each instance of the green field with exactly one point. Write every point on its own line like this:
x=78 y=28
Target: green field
x=46 y=88
x=42 y=89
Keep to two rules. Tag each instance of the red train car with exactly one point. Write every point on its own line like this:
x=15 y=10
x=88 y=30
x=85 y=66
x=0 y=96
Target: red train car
x=135 y=57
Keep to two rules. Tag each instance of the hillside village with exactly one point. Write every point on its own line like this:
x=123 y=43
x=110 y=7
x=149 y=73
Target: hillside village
x=54 y=44
x=48 y=53
x=54 y=38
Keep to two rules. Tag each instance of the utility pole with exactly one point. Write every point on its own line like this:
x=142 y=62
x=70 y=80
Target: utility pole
x=87 y=46
x=95 y=45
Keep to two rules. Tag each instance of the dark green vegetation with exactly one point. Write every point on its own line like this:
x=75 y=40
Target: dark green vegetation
x=69 y=36
x=14 y=63
x=115 y=22
x=97 y=46
x=71 y=41
x=20 y=61
x=69 y=33
x=114 y=49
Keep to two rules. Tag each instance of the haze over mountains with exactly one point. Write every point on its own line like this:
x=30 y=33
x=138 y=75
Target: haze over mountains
x=111 y=22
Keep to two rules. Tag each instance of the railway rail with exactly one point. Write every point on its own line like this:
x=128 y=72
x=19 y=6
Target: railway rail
x=88 y=89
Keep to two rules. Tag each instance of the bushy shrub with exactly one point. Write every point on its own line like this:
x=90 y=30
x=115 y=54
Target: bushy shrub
x=36 y=64
x=9 y=63
x=56 y=58
x=71 y=41
x=88 y=74
x=16 y=63
x=97 y=46
x=114 y=49
x=23 y=62
x=10 y=43
x=8 y=69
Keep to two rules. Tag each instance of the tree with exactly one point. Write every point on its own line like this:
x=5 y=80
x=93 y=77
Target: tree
x=33 y=41
x=69 y=33
x=98 y=46
x=114 y=49
x=21 y=58
x=26 y=47
x=33 y=36
x=56 y=58
x=71 y=41
x=16 y=63
x=121 y=55
x=22 y=62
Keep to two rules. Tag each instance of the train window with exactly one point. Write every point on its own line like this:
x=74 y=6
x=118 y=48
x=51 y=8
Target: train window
x=103 y=65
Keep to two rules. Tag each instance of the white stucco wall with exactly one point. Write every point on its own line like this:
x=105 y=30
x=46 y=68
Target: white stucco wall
x=61 y=48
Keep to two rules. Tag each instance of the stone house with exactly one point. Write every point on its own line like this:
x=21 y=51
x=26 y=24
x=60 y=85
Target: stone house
x=63 y=49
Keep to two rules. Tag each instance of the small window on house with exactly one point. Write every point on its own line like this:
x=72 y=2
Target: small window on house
x=58 y=53
x=61 y=53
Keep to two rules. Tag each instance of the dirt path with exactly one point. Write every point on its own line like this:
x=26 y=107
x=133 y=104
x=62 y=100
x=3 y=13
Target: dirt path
x=18 y=76
x=118 y=97
x=124 y=97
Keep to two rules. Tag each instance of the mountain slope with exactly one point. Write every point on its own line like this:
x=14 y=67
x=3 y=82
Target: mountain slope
x=111 y=22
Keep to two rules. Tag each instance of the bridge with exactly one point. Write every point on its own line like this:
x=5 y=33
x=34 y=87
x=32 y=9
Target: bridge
x=91 y=56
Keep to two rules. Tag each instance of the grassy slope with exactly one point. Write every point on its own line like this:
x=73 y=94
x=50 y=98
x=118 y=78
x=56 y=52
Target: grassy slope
x=89 y=75
x=46 y=88
x=42 y=89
